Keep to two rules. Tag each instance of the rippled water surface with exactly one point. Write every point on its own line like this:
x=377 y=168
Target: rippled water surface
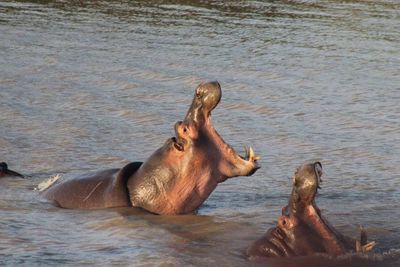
x=86 y=86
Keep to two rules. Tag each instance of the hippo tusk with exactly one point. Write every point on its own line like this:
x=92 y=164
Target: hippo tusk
x=250 y=154
x=364 y=248
x=368 y=247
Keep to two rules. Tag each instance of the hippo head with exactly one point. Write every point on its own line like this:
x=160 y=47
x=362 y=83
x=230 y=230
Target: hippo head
x=206 y=98
x=180 y=175
x=5 y=171
x=197 y=126
x=301 y=229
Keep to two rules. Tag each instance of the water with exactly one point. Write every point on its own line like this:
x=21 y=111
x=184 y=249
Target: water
x=89 y=86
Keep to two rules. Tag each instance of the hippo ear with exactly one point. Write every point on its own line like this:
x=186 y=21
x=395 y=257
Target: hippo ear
x=3 y=166
x=318 y=168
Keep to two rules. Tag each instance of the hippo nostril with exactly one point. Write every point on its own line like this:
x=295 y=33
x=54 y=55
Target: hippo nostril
x=198 y=93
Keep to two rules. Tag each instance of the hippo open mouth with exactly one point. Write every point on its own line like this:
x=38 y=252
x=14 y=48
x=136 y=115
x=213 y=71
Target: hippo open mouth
x=197 y=130
x=180 y=142
x=199 y=125
x=301 y=229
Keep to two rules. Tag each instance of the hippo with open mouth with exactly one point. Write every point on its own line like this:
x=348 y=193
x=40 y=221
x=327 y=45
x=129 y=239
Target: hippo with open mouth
x=176 y=179
x=301 y=230
x=5 y=171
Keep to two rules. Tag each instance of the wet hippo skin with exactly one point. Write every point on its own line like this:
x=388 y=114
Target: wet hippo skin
x=176 y=179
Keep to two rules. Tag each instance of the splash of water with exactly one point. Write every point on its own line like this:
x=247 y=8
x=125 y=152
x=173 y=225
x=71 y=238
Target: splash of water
x=47 y=183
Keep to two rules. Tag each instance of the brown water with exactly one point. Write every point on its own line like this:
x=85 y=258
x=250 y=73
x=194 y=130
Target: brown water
x=91 y=86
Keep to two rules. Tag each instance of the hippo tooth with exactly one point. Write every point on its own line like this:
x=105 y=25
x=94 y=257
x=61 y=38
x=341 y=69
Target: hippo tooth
x=251 y=153
x=368 y=247
x=358 y=246
x=250 y=156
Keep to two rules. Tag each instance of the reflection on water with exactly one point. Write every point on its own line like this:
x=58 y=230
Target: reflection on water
x=86 y=86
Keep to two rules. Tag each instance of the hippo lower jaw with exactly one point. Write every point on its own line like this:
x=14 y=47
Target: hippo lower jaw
x=334 y=242
x=231 y=164
x=237 y=165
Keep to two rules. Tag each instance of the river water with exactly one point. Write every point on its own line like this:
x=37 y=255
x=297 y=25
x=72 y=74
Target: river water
x=86 y=86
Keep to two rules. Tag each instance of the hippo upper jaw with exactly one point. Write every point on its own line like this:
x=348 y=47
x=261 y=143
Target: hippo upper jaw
x=206 y=98
x=204 y=136
x=306 y=182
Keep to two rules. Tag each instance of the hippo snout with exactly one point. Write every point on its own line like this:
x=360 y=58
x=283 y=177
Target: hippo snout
x=209 y=94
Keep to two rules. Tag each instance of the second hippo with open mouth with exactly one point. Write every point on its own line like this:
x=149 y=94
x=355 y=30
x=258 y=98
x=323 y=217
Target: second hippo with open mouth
x=176 y=179
x=301 y=229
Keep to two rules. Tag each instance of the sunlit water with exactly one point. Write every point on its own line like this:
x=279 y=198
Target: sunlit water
x=85 y=87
